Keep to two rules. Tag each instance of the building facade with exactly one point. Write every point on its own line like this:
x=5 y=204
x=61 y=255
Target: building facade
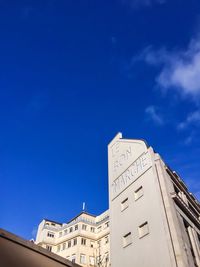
x=83 y=240
x=154 y=220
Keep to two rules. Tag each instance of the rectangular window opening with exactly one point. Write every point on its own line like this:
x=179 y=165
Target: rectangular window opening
x=138 y=193
x=83 y=259
x=127 y=239
x=124 y=204
x=143 y=229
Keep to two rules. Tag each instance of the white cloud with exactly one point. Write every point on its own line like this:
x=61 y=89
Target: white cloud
x=140 y=3
x=152 y=113
x=192 y=119
x=189 y=140
x=180 y=69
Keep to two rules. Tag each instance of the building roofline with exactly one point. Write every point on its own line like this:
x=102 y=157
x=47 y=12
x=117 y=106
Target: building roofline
x=53 y=221
x=82 y=212
x=119 y=136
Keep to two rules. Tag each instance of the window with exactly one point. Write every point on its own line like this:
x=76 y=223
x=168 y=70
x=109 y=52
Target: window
x=69 y=244
x=49 y=234
x=124 y=204
x=63 y=246
x=83 y=241
x=65 y=232
x=49 y=248
x=91 y=258
x=76 y=227
x=92 y=229
x=106 y=240
x=58 y=248
x=127 y=239
x=138 y=193
x=84 y=227
x=143 y=229
x=106 y=257
x=75 y=242
x=83 y=259
x=99 y=229
x=53 y=224
x=60 y=234
x=106 y=224
x=91 y=244
x=71 y=229
x=98 y=260
x=99 y=242
x=73 y=258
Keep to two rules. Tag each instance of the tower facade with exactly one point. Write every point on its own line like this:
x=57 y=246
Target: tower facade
x=154 y=220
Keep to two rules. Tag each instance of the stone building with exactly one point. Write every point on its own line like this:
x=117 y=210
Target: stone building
x=84 y=239
x=154 y=219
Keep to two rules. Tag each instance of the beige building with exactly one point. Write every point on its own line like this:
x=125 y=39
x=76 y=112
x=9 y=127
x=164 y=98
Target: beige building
x=154 y=220
x=84 y=239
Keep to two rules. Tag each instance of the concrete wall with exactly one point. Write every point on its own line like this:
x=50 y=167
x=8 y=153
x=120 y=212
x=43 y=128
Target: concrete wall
x=131 y=166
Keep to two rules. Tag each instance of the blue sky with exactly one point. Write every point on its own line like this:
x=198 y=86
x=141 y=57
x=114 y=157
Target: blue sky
x=73 y=74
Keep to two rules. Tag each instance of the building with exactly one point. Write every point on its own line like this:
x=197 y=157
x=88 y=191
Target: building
x=84 y=239
x=17 y=252
x=154 y=220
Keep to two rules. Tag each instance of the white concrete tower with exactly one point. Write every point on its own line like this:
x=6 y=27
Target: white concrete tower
x=146 y=223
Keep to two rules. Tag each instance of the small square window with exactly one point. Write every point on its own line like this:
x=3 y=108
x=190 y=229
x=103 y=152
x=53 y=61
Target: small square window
x=106 y=239
x=138 y=193
x=74 y=258
x=65 y=231
x=75 y=242
x=106 y=224
x=50 y=234
x=127 y=239
x=106 y=257
x=99 y=229
x=83 y=241
x=69 y=244
x=124 y=204
x=99 y=242
x=143 y=229
x=84 y=227
x=49 y=248
x=92 y=260
x=63 y=246
x=98 y=259
x=83 y=258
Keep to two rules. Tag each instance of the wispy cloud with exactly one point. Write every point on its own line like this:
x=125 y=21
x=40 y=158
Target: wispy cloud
x=141 y=3
x=153 y=114
x=179 y=69
x=191 y=119
x=188 y=140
